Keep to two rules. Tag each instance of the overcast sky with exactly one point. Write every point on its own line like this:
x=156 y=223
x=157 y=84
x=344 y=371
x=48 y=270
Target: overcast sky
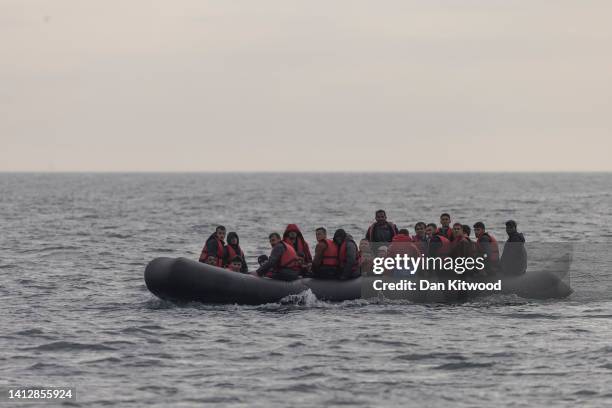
x=473 y=85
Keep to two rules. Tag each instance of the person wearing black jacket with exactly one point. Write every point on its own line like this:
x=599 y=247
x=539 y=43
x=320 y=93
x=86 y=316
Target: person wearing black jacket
x=514 y=258
x=381 y=230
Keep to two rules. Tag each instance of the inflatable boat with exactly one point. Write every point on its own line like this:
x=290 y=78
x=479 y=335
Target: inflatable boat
x=184 y=280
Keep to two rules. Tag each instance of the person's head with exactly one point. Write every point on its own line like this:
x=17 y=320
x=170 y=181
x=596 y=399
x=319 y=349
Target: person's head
x=274 y=239
x=431 y=229
x=364 y=246
x=321 y=233
x=262 y=259
x=445 y=219
x=466 y=230
x=292 y=232
x=403 y=231
x=457 y=230
x=380 y=216
x=220 y=232
x=211 y=260
x=236 y=264
x=232 y=238
x=382 y=251
x=479 y=229
x=419 y=228
x=339 y=236
x=510 y=227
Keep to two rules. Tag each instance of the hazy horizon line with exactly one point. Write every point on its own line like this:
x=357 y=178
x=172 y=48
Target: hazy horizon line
x=306 y=172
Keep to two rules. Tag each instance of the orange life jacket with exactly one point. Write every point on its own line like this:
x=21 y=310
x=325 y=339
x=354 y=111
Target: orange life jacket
x=445 y=246
x=403 y=244
x=449 y=233
x=289 y=259
x=330 y=255
x=494 y=255
x=231 y=253
x=342 y=256
x=302 y=247
x=205 y=255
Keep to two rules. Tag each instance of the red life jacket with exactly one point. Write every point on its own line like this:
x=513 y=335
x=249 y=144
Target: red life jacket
x=342 y=257
x=403 y=244
x=330 y=255
x=445 y=248
x=446 y=245
x=231 y=253
x=494 y=256
x=289 y=259
x=302 y=247
x=371 y=230
x=205 y=255
x=449 y=233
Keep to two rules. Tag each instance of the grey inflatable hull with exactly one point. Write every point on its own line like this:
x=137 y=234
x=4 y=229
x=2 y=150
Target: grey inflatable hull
x=184 y=280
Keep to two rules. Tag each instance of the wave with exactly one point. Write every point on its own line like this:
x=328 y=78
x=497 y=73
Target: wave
x=463 y=366
x=70 y=346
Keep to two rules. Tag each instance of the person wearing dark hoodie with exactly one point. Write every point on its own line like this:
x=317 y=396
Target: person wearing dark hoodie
x=214 y=247
x=514 y=257
x=294 y=237
x=282 y=264
x=348 y=255
x=233 y=250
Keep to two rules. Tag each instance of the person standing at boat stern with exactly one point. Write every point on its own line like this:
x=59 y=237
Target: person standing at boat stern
x=381 y=230
x=214 y=247
x=233 y=250
x=348 y=255
x=486 y=246
x=282 y=264
x=514 y=257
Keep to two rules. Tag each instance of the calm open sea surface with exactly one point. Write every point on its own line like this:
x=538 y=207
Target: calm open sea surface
x=75 y=310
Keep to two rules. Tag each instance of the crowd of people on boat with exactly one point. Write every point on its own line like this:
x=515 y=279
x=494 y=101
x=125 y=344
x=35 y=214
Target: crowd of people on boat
x=342 y=258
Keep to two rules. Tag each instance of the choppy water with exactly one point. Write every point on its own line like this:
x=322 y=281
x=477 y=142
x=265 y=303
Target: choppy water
x=75 y=310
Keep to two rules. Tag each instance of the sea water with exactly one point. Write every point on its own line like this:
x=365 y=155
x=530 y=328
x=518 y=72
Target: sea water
x=76 y=312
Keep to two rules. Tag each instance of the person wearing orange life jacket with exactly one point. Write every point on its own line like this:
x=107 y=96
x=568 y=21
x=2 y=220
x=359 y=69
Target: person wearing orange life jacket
x=348 y=255
x=437 y=245
x=461 y=247
x=486 y=246
x=381 y=230
x=402 y=244
x=325 y=262
x=282 y=264
x=445 y=228
x=214 y=247
x=420 y=237
x=466 y=232
x=294 y=237
x=233 y=250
